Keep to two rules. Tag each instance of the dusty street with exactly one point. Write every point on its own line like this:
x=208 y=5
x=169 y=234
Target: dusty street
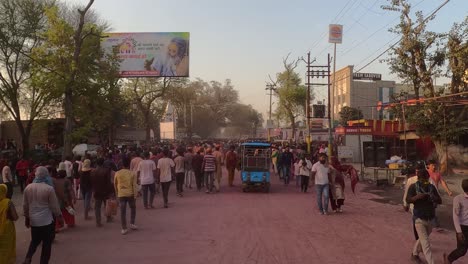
x=281 y=227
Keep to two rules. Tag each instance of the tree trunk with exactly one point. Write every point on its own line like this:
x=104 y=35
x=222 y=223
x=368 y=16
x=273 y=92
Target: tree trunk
x=67 y=135
x=111 y=135
x=292 y=119
x=157 y=132
x=23 y=135
x=148 y=134
x=441 y=150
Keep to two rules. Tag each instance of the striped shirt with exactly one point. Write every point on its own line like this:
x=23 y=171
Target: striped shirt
x=210 y=162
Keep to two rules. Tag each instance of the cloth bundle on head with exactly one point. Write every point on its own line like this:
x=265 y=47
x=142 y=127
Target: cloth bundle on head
x=62 y=166
x=6 y=171
x=4 y=202
x=42 y=176
x=86 y=165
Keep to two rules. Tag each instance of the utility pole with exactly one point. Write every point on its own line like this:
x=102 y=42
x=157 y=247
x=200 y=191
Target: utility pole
x=309 y=74
x=330 y=136
x=271 y=88
x=324 y=71
x=334 y=83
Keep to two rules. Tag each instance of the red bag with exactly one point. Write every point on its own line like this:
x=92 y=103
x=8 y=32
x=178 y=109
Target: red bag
x=111 y=207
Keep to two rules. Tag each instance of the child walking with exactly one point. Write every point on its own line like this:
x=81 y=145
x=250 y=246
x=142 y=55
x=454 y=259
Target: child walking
x=305 y=169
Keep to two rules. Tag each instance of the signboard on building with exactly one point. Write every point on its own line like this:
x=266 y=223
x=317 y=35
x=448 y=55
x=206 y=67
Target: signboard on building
x=353 y=130
x=345 y=152
x=150 y=54
x=335 y=33
x=367 y=76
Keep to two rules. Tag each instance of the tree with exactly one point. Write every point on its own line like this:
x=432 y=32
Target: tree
x=21 y=24
x=147 y=95
x=457 y=53
x=291 y=94
x=417 y=58
x=73 y=52
x=244 y=120
x=100 y=107
x=349 y=113
x=419 y=54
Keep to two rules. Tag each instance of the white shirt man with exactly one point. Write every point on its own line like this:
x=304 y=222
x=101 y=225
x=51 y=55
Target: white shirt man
x=165 y=166
x=321 y=174
x=146 y=170
x=146 y=173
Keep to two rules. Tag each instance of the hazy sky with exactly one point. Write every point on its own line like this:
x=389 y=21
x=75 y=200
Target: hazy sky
x=246 y=40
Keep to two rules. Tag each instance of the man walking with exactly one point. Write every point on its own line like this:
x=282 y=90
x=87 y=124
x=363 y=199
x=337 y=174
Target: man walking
x=22 y=167
x=197 y=166
x=40 y=206
x=321 y=176
x=164 y=174
x=209 y=168
x=147 y=174
x=102 y=189
x=188 y=158
x=219 y=169
x=135 y=161
x=126 y=190
x=460 y=221
x=231 y=163
x=286 y=161
x=423 y=195
x=179 y=171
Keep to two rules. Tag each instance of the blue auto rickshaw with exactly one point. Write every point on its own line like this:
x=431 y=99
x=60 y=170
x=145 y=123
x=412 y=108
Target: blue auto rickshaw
x=255 y=166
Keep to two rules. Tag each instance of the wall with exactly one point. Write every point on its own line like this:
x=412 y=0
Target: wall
x=353 y=142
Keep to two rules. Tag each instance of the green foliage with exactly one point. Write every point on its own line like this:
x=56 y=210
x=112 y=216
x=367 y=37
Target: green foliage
x=215 y=105
x=420 y=53
x=21 y=24
x=94 y=80
x=457 y=53
x=417 y=58
x=291 y=94
x=349 y=113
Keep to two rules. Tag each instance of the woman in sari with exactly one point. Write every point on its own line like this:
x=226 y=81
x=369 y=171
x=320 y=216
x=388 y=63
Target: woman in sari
x=7 y=228
x=336 y=186
x=65 y=196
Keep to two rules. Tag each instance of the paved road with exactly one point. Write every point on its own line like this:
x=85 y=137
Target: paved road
x=281 y=227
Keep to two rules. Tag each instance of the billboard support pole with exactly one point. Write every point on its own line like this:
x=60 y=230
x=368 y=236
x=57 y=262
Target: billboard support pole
x=334 y=84
x=330 y=137
x=271 y=88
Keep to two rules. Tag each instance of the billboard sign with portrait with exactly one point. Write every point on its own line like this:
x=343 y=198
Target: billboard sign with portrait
x=164 y=54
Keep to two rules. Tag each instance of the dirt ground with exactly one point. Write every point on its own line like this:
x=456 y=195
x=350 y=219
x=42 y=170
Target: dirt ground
x=282 y=227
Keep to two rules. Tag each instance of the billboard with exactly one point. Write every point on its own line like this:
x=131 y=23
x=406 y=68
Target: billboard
x=335 y=33
x=164 y=54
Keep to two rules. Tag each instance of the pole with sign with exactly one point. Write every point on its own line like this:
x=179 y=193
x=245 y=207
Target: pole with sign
x=335 y=35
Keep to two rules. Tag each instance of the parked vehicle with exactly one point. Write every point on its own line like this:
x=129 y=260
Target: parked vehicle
x=255 y=166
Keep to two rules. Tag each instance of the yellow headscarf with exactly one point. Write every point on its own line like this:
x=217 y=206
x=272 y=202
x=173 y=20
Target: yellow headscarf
x=3 y=207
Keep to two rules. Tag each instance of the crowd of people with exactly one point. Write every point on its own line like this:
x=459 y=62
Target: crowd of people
x=114 y=178
x=117 y=176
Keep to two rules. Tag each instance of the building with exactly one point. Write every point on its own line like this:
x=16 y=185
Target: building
x=361 y=90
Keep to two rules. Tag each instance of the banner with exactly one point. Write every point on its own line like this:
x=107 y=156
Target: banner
x=150 y=54
x=335 y=34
